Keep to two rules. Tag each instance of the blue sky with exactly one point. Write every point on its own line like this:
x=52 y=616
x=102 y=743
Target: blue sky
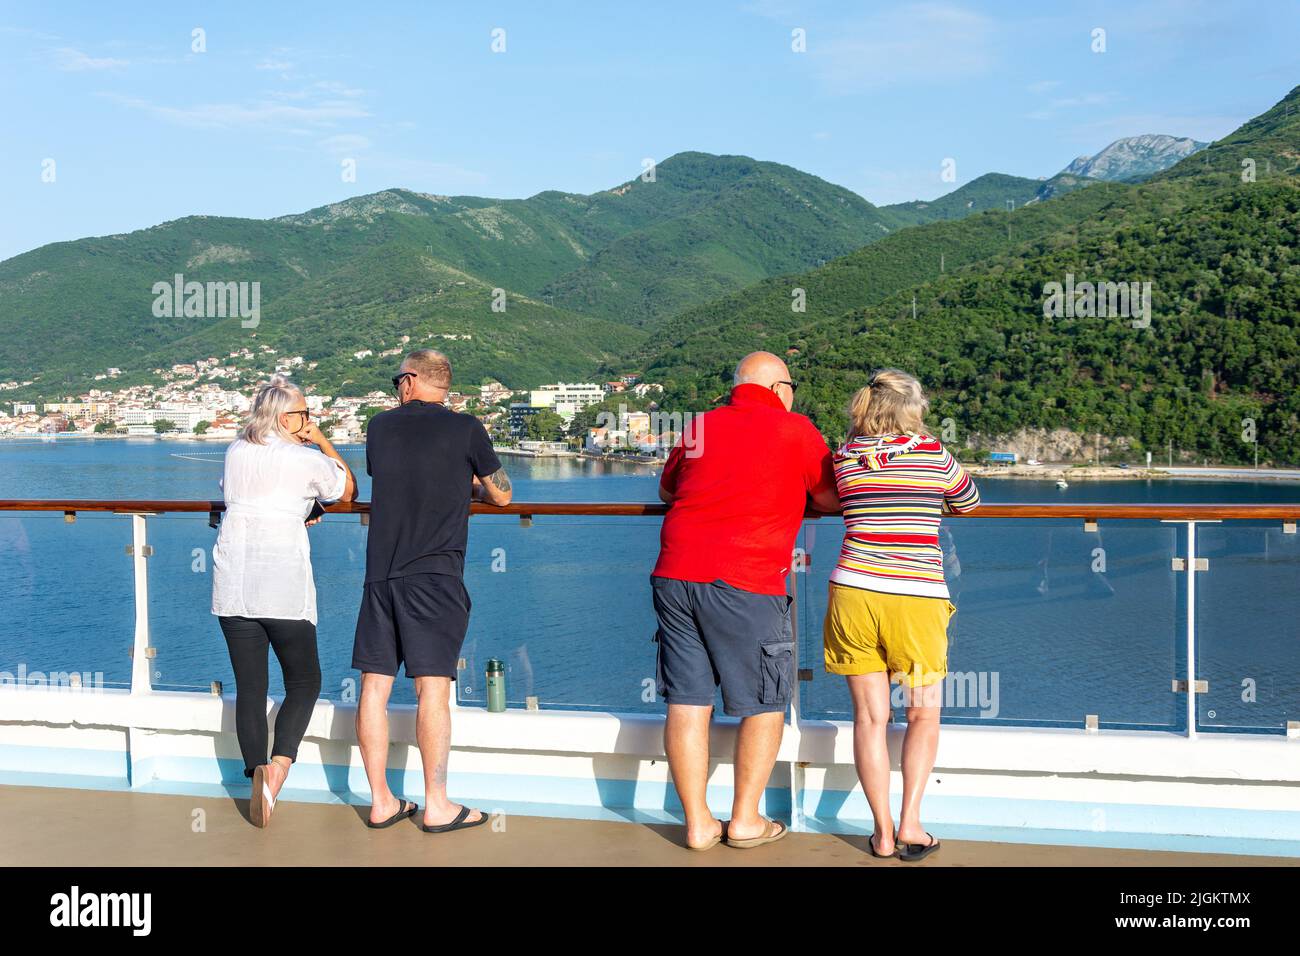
x=143 y=129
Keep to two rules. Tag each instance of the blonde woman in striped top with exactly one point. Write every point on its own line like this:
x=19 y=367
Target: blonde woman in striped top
x=888 y=609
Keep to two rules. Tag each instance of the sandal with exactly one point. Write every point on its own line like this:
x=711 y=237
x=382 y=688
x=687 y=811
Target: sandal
x=457 y=824
x=912 y=852
x=775 y=830
x=404 y=810
x=871 y=845
x=722 y=835
x=261 y=804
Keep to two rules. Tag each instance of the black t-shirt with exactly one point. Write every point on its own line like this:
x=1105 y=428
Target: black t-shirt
x=422 y=458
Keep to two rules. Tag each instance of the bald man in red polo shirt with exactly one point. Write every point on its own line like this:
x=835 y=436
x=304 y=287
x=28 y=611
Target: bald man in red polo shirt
x=737 y=483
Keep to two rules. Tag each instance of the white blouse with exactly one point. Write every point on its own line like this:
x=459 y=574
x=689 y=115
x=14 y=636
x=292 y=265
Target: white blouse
x=261 y=564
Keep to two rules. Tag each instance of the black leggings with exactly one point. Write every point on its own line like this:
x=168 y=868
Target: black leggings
x=294 y=643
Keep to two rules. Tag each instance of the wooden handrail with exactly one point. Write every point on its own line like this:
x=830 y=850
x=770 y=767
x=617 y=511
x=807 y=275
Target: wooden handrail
x=1164 y=512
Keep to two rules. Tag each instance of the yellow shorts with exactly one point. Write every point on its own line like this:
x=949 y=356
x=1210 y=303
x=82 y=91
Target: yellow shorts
x=869 y=631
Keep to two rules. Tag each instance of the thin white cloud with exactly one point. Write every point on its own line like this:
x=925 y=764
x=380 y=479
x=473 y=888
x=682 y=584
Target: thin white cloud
x=1067 y=104
x=1043 y=86
x=71 y=60
x=921 y=43
x=345 y=144
x=269 y=112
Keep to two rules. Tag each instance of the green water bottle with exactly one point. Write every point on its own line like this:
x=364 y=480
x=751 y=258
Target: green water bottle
x=496 y=686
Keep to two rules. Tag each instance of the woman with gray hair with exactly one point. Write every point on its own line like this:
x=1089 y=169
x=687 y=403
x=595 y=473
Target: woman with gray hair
x=262 y=588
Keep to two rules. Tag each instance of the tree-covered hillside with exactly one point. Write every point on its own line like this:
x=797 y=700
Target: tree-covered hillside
x=1220 y=353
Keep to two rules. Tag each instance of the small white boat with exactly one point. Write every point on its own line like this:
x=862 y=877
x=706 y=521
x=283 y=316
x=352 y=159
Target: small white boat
x=1062 y=483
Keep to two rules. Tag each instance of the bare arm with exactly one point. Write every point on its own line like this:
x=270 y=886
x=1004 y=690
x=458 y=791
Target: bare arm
x=665 y=496
x=827 y=501
x=495 y=488
x=317 y=437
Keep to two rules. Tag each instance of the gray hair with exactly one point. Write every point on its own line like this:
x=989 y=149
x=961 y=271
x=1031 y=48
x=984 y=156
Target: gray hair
x=432 y=366
x=272 y=399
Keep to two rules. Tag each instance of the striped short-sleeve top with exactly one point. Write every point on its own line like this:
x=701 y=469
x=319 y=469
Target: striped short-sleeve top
x=892 y=490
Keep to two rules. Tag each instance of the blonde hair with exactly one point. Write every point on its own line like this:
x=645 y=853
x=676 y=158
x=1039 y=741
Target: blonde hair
x=272 y=399
x=892 y=403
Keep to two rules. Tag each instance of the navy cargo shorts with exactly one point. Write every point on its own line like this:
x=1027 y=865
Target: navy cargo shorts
x=714 y=635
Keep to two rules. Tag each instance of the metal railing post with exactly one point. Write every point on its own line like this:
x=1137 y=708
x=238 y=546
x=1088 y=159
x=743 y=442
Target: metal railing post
x=793 y=728
x=141 y=662
x=1191 y=630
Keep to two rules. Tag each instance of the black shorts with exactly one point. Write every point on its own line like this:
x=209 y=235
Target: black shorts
x=419 y=620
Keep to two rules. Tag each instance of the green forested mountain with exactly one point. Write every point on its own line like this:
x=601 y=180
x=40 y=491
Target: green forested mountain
x=580 y=273
x=719 y=255
x=719 y=223
x=702 y=343
x=1221 y=347
x=992 y=191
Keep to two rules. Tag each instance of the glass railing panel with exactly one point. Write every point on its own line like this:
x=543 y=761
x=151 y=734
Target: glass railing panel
x=566 y=605
x=191 y=651
x=1054 y=623
x=67 y=599
x=1248 y=642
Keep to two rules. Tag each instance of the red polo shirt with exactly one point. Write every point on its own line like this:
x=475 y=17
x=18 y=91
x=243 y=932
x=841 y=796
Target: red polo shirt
x=740 y=476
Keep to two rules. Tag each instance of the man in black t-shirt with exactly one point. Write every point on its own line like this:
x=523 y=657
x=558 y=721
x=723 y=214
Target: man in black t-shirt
x=426 y=462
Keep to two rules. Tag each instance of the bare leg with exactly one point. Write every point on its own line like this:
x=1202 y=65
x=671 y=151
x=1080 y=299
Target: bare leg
x=433 y=734
x=757 y=741
x=920 y=744
x=686 y=742
x=870 y=693
x=277 y=771
x=372 y=737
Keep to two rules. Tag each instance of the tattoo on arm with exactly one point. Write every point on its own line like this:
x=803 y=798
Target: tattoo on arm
x=500 y=480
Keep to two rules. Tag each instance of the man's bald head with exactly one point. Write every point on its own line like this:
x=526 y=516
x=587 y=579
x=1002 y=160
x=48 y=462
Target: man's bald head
x=760 y=368
x=766 y=370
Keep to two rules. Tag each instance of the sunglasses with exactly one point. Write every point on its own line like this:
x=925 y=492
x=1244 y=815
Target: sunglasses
x=794 y=387
x=305 y=416
x=397 y=380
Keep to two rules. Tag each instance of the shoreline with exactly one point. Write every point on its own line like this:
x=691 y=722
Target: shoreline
x=1068 y=472
x=1045 y=472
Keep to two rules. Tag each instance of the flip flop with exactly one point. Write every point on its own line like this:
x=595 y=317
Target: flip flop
x=261 y=804
x=912 y=852
x=871 y=845
x=768 y=836
x=457 y=824
x=404 y=810
x=722 y=835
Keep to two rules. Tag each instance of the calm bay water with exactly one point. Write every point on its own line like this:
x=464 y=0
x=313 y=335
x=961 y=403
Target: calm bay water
x=1054 y=622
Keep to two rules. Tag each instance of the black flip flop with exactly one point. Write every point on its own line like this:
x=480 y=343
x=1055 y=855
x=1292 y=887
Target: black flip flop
x=457 y=824
x=404 y=810
x=912 y=852
x=871 y=845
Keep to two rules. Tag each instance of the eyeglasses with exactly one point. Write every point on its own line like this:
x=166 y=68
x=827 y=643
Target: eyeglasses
x=304 y=413
x=397 y=380
x=794 y=387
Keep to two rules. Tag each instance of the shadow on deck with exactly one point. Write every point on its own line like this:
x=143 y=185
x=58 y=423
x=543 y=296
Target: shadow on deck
x=61 y=827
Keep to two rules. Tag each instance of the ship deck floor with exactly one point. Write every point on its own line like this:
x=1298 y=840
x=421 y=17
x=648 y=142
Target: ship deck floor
x=48 y=826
